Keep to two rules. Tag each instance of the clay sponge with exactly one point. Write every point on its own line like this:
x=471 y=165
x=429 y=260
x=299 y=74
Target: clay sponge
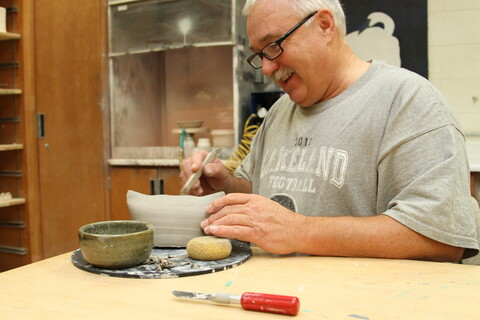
x=209 y=248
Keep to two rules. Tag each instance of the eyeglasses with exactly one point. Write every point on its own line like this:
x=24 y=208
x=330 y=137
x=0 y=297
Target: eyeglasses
x=274 y=49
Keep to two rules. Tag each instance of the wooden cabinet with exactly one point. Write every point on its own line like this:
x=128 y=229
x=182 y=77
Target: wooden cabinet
x=54 y=70
x=170 y=61
x=147 y=180
x=173 y=61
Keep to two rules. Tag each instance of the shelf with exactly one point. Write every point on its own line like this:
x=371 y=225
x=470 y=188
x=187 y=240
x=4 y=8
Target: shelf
x=13 y=224
x=13 y=146
x=8 y=65
x=12 y=202
x=10 y=91
x=12 y=10
x=145 y=162
x=14 y=250
x=116 y=2
x=11 y=174
x=171 y=47
x=9 y=36
x=9 y=120
x=190 y=130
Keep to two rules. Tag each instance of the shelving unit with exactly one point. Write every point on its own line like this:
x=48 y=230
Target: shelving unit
x=49 y=205
x=14 y=217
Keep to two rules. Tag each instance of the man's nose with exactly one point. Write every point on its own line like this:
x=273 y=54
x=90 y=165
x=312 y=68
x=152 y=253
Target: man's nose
x=269 y=66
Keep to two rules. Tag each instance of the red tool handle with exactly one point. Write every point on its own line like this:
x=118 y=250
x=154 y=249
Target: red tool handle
x=270 y=303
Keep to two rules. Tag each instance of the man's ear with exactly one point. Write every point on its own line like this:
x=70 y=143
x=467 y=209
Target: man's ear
x=325 y=20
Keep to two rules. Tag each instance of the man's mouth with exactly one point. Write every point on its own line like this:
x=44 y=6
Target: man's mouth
x=282 y=75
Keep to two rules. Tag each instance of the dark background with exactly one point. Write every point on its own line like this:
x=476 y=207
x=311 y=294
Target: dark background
x=411 y=27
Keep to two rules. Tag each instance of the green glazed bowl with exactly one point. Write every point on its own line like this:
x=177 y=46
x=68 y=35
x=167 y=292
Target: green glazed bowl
x=116 y=244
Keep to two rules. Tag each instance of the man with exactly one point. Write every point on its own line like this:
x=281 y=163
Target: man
x=356 y=159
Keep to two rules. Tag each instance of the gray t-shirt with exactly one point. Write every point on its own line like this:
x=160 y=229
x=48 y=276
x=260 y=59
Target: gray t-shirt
x=389 y=144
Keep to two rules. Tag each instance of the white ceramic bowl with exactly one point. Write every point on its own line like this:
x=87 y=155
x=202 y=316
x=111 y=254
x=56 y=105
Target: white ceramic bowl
x=176 y=218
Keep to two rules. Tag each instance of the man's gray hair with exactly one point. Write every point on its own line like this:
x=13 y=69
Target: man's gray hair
x=304 y=7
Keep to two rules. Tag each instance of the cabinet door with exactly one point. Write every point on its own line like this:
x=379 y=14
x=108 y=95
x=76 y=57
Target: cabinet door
x=144 y=180
x=69 y=41
x=168 y=180
x=123 y=179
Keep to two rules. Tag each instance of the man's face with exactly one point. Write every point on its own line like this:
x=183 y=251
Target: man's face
x=295 y=70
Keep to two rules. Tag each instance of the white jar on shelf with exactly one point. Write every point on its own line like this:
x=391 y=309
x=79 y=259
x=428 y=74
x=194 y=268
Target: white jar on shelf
x=223 y=138
x=188 y=146
x=204 y=144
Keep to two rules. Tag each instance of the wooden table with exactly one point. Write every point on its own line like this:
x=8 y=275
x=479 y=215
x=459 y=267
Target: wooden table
x=328 y=288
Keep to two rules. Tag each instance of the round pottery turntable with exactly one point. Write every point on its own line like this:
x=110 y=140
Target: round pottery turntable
x=167 y=263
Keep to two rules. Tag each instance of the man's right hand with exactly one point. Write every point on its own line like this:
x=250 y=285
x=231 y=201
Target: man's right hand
x=215 y=176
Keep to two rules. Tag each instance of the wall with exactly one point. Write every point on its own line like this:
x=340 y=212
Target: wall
x=454 y=62
x=454 y=56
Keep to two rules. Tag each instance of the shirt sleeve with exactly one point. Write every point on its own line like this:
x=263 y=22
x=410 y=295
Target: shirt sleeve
x=424 y=184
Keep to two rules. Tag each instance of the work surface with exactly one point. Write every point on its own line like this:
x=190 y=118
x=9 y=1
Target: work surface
x=328 y=288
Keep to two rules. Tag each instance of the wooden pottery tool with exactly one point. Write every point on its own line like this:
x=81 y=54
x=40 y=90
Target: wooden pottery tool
x=194 y=177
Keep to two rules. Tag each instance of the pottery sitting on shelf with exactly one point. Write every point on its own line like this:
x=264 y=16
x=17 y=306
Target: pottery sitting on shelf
x=190 y=124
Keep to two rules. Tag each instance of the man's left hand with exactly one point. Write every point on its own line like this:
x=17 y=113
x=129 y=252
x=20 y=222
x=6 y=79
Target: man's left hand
x=256 y=219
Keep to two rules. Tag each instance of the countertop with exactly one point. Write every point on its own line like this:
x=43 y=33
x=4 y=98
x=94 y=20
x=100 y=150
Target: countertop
x=145 y=162
x=473 y=151
x=328 y=288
